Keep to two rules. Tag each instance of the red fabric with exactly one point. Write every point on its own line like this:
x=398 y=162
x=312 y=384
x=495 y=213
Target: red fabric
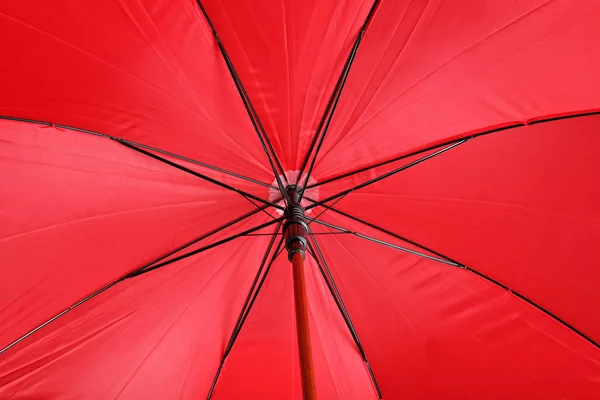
x=521 y=206
x=429 y=70
x=150 y=337
x=289 y=54
x=147 y=71
x=451 y=334
x=270 y=340
x=79 y=211
x=521 y=195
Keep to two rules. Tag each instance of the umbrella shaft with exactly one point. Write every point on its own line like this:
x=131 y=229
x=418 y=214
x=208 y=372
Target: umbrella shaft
x=302 y=327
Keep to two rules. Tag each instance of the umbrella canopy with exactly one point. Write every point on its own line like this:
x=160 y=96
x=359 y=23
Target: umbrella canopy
x=440 y=156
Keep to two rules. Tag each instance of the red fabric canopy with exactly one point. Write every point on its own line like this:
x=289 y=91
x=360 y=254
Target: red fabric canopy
x=454 y=187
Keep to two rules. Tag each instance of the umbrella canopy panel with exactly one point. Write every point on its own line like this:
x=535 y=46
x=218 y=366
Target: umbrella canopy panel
x=449 y=149
x=79 y=211
x=145 y=71
x=432 y=70
x=483 y=202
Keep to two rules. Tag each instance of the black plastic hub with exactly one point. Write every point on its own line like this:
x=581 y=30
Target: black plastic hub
x=295 y=228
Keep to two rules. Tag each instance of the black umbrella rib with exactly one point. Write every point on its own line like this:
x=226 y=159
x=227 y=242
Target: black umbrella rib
x=258 y=127
x=478 y=273
x=327 y=117
x=314 y=233
x=324 y=117
x=384 y=243
x=333 y=101
x=390 y=233
x=245 y=309
x=167 y=153
x=326 y=207
x=248 y=303
x=199 y=175
x=449 y=142
x=202 y=164
x=337 y=297
x=262 y=208
x=27 y=120
x=128 y=275
x=205 y=248
x=386 y=175
x=142 y=149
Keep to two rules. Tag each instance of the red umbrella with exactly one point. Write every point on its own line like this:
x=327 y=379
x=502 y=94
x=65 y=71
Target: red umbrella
x=284 y=199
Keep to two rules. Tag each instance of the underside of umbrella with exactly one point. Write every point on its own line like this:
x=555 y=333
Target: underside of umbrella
x=285 y=199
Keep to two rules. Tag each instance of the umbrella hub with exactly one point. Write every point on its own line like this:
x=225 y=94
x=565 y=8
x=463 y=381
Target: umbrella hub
x=311 y=192
x=295 y=228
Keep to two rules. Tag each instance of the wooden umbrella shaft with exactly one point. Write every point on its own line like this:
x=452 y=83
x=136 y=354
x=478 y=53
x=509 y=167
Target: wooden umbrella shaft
x=303 y=329
x=296 y=232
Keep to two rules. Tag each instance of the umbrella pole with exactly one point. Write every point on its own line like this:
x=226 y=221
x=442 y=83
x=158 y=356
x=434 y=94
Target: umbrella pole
x=303 y=330
x=295 y=231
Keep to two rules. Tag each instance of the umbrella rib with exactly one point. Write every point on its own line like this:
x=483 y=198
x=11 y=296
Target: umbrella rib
x=248 y=303
x=337 y=297
x=257 y=124
x=383 y=242
x=476 y=272
x=315 y=233
x=167 y=153
x=387 y=175
x=252 y=287
x=263 y=209
x=199 y=175
x=323 y=117
x=336 y=95
x=140 y=149
x=326 y=207
x=203 y=249
x=128 y=275
x=333 y=100
x=390 y=233
x=449 y=142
